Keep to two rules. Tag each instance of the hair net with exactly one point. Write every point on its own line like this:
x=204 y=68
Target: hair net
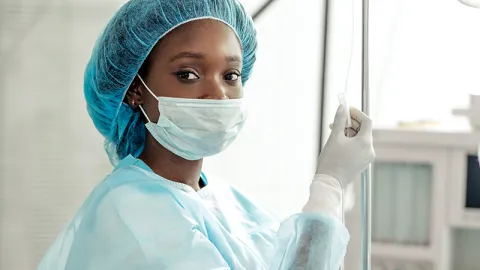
x=123 y=47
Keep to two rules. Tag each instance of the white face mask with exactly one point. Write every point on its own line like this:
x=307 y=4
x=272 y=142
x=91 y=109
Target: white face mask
x=196 y=128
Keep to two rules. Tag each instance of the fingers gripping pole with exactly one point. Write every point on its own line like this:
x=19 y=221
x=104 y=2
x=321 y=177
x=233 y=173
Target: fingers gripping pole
x=342 y=98
x=366 y=175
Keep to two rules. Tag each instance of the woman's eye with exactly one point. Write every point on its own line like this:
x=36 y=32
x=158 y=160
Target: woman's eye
x=187 y=75
x=232 y=76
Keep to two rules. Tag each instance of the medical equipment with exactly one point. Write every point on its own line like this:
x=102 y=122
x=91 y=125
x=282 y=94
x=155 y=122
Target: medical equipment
x=366 y=175
x=342 y=98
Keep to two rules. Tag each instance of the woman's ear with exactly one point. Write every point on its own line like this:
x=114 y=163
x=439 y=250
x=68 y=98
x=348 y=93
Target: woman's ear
x=134 y=96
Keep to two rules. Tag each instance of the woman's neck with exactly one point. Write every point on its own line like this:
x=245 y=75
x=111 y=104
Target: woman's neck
x=171 y=166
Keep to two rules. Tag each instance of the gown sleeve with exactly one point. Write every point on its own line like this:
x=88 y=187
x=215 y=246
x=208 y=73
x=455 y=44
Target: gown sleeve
x=310 y=241
x=317 y=238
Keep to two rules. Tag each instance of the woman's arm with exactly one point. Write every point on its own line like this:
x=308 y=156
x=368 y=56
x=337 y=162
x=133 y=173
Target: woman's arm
x=316 y=238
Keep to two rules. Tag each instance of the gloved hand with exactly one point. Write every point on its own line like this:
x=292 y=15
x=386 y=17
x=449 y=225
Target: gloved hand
x=344 y=158
x=341 y=161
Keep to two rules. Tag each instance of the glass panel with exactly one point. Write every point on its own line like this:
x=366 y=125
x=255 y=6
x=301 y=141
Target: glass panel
x=465 y=249
x=473 y=183
x=401 y=203
x=387 y=264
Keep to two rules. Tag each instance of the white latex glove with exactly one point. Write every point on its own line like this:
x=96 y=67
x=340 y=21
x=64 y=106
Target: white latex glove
x=344 y=158
x=341 y=161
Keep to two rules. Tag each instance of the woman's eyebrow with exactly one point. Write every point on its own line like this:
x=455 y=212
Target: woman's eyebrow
x=233 y=58
x=192 y=55
x=201 y=56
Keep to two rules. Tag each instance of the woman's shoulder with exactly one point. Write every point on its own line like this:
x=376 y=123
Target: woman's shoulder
x=131 y=185
x=128 y=203
x=132 y=196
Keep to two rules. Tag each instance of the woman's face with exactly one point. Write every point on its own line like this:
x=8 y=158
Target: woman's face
x=199 y=60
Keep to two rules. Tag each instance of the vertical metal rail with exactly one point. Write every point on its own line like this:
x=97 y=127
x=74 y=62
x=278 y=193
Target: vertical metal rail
x=366 y=175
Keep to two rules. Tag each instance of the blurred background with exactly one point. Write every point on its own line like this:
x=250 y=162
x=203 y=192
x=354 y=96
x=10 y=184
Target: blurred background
x=425 y=103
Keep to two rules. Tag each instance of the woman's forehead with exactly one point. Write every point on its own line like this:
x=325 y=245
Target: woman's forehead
x=201 y=37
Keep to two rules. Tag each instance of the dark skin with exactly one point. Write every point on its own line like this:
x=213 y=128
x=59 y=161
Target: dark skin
x=199 y=60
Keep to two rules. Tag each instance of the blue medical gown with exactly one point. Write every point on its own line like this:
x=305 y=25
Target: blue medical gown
x=137 y=220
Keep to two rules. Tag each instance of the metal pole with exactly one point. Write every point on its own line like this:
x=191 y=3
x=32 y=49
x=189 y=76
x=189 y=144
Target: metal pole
x=323 y=77
x=366 y=175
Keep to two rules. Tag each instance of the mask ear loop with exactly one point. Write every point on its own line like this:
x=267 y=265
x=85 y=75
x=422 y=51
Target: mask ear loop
x=144 y=84
x=140 y=106
x=144 y=113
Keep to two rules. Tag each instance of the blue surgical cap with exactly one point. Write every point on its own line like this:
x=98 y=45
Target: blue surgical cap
x=123 y=47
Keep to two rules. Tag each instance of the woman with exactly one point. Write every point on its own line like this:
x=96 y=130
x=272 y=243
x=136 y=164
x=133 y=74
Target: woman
x=164 y=86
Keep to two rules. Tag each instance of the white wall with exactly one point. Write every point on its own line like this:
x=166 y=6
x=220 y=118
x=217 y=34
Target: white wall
x=51 y=156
